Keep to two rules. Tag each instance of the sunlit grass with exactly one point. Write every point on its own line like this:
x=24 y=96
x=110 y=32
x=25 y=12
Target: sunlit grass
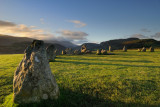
x=126 y=78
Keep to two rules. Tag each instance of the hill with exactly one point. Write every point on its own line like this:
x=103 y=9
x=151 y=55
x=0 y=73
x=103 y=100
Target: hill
x=16 y=45
x=130 y=43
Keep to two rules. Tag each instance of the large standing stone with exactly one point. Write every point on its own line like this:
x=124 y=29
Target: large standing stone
x=151 y=49
x=51 y=53
x=143 y=49
x=110 y=49
x=124 y=49
x=33 y=80
x=83 y=49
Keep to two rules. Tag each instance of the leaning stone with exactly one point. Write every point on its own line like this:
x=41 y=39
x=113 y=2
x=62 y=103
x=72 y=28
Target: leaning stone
x=51 y=53
x=151 y=49
x=110 y=49
x=124 y=49
x=33 y=80
x=143 y=49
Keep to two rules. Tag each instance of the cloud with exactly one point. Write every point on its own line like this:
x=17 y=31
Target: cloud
x=145 y=30
x=21 y=30
x=140 y=36
x=156 y=35
x=73 y=35
x=6 y=24
x=78 y=23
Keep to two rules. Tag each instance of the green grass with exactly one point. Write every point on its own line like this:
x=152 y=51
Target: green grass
x=124 y=79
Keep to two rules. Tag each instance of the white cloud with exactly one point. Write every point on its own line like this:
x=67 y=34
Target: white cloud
x=73 y=35
x=140 y=36
x=78 y=23
x=21 y=30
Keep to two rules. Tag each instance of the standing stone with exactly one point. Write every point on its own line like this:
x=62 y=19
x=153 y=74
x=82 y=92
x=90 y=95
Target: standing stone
x=51 y=53
x=33 y=80
x=98 y=52
x=151 y=49
x=110 y=49
x=83 y=49
x=143 y=49
x=124 y=49
x=63 y=52
x=104 y=52
x=139 y=50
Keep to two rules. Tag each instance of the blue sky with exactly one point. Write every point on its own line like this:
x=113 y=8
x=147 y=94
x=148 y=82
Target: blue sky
x=81 y=21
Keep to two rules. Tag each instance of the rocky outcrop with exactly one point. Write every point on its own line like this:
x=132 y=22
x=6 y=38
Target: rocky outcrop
x=51 y=53
x=33 y=80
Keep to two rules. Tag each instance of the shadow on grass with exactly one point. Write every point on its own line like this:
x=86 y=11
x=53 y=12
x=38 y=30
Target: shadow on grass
x=75 y=58
x=69 y=98
x=87 y=63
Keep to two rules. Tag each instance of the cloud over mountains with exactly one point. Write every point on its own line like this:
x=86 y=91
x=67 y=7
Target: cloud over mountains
x=22 y=30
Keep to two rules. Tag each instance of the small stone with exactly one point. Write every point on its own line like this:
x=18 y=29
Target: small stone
x=143 y=49
x=124 y=49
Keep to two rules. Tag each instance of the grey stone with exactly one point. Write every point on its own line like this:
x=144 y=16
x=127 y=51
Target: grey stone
x=104 y=52
x=124 y=49
x=51 y=53
x=110 y=49
x=151 y=49
x=33 y=80
x=98 y=52
x=83 y=49
x=143 y=49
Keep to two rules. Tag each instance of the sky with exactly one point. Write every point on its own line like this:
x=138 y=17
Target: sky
x=80 y=21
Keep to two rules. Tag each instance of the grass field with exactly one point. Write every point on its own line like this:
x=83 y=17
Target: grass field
x=124 y=79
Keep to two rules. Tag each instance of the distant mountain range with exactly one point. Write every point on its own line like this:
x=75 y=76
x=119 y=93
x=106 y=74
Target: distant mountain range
x=15 y=45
